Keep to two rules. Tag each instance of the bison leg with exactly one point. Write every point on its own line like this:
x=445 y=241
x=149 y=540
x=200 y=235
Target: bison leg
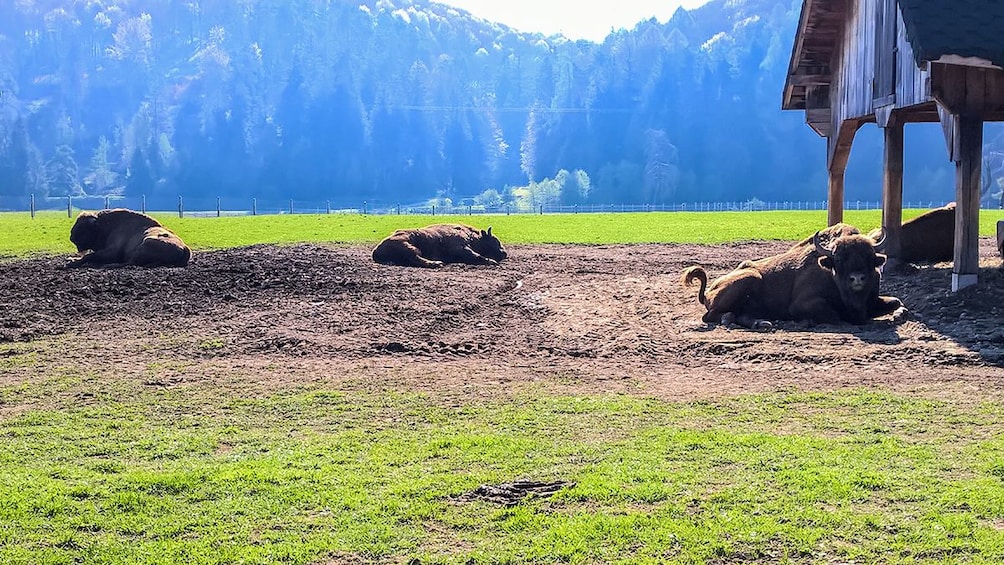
x=464 y=254
x=101 y=257
x=735 y=296
x=882 y=305
x=404 y=254
x=815 y=309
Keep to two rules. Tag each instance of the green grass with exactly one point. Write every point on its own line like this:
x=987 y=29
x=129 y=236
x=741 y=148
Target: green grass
x=192 y=476
x=108 y=470
x=48 y=233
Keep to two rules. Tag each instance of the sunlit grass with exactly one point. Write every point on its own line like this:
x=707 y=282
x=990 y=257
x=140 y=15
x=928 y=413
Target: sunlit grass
x=197 y=476
x=48 y=232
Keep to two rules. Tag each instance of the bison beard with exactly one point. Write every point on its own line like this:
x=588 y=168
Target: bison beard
x=122 y=236
x=832 y=283
x=435 y=245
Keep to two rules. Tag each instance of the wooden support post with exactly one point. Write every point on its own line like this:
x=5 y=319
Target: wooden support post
x=892 y=189
x=968 y=169
x=838 y=151
x=835 y=204
x=1000 y=237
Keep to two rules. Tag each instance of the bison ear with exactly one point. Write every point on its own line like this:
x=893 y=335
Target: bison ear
x=879 y=260
x=826 y=262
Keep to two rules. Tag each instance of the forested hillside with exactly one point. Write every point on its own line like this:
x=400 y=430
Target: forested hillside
x=408 y=100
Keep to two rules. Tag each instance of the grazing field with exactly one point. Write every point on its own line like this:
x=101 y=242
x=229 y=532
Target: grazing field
x=298 y=403
x=47 y=233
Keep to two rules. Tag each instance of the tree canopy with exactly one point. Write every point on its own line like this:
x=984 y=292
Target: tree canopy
x=406 y=100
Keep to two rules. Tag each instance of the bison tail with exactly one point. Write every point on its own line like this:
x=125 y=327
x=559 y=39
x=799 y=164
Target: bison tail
x=690 y=274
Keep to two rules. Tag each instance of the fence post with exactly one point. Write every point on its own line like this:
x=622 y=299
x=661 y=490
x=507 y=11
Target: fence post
x=469 y=208
x=106 y=202
x=327 y=207
x=433 y=209
x=399 y=209
x=32 y=205
x=506 y=209
x=181 y=207
x=364 y=207
x=254 y=206
x=290 y=205
x=541 y=209
x=69 y=207
x=142 y=203
x=218 y=207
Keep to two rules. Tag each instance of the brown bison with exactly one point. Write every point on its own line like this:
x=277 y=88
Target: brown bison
x=435 y=245
x=123 y=236
x=930 y=237
x=831 y=283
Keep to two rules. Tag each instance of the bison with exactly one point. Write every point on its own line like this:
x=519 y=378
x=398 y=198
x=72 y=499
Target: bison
x=930 y=237
x=122 y=236
x=435 y=245
x=831 y=283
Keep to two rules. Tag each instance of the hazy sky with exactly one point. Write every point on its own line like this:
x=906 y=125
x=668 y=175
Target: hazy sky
x=575 y=19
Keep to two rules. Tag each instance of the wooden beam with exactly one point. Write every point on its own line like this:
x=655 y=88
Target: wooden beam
x=892 y=188
x=947 y=120
x=809 y=80
x=839 y=144
x=796 y=53
x=968 y=91
x=884 y=116
x=967 y=197
x=838 y=150
x=817 y=109
x=835 y=198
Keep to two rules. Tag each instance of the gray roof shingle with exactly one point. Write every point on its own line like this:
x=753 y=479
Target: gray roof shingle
x=967 y=28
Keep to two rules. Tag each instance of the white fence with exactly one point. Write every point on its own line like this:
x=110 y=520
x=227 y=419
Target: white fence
x=209 y=207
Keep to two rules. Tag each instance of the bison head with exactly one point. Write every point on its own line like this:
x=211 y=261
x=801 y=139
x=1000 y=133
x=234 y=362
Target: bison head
x=854 y=262
x=489 y=246
x=86 y=234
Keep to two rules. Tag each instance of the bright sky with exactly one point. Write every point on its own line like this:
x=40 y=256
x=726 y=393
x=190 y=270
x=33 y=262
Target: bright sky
x=575 y=19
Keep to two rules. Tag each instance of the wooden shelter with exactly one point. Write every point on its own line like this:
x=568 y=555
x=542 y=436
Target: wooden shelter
x=893 y=62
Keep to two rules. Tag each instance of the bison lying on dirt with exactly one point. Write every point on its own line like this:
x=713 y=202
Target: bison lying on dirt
x=831 y=283
x=123 y=236
x=434 y=245
x=930 y=237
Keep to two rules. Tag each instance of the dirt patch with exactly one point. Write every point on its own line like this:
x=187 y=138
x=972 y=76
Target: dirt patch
x=576 y=318
x=511 y=494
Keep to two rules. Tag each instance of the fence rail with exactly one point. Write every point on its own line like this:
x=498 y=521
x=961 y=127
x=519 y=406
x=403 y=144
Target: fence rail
x=219 y=207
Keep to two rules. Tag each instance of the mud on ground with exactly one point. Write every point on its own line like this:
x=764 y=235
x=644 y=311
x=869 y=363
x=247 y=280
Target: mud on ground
x=580 y=319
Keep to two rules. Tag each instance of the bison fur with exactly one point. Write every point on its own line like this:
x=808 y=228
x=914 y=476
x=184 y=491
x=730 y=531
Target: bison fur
x=928 y=238
x=435 y=245
x=831 y=277
x=121 y=236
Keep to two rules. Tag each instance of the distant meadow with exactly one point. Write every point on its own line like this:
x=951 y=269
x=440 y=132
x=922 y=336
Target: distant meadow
x=48 y=232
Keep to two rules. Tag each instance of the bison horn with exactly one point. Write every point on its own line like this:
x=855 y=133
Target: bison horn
x=819 y=246
x=879 y=243
x=489 y=231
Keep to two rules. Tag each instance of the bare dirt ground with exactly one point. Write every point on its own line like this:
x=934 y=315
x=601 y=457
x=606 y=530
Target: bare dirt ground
x=576 y=319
